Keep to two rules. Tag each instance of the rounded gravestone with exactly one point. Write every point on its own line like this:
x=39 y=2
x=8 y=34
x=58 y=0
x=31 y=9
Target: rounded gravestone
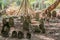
x=11 y=21
x=5 y=30
x=20 y=35
x=28 y=36
x=14 y=34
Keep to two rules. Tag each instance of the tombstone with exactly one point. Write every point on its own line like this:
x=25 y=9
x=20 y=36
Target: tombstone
x=14 y=34
x=26 y=25
x=5 y=30
x=0 y=14
x=4 y=21
x=11 y=21
x=42 y=20
x=37 y=16
x=28 y=36
x=58 y=16
x=28 y=18
x=41 y=26
x=20 y=35
x=49 y=14
x=47 y=20
x=54 y=13
x=37 y=30
x=22 y=18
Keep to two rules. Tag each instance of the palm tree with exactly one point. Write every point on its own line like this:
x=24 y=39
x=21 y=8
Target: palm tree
x=53 y=6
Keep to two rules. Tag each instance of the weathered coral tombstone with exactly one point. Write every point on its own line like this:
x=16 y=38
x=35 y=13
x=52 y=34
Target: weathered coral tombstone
x=36 y=29
x=20 y=35
x=54 y=14
x=14 y=34
x=28 y=36
x=5 y=30
x=25 y=25
x=11 y=22
x=37 y=16
x=4 y=21
x=49 y=14
x=41 y=26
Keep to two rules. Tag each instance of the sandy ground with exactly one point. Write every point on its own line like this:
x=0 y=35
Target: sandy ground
x=52 y=32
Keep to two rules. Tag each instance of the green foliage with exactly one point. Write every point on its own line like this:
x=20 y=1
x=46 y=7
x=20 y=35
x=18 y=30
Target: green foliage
x=31 y=1
x=49 y=1
x=3 y=3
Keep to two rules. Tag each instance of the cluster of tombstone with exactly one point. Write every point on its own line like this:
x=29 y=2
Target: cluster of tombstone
x=48 y=15
x=6 y=29
x=51 y=14
x=26 y=24
x=6 y=26
x=20 y=35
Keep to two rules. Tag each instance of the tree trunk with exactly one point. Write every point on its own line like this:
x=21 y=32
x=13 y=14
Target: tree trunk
x=53 y=6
